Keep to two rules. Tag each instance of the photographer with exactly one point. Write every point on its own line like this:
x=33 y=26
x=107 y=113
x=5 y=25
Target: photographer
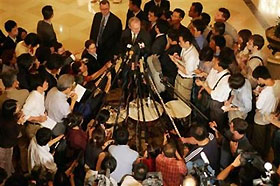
x=234 y=140
x=204 y=144
x=138 y=175
x=173 y=170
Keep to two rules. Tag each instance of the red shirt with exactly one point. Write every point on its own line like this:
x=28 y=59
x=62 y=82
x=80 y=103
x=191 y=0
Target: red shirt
x=172 y=170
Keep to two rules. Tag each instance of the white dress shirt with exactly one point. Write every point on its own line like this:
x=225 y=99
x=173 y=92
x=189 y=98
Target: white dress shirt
x=266 y=103
x=34 y=105
x=190 y=60
x=40 y=155
x=222 y=90
x=125 y=158
x=57 y=105
x=242 y=97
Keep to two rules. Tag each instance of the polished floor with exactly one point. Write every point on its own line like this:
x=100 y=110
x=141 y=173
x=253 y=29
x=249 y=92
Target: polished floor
x=72 y=19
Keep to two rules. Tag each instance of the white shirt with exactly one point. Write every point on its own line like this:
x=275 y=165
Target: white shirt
x=222 y=90
x=40 y=155
x=242 y=97
x=57 y=105
x=34 y=105
x=190 y=60
x=266 y=104
x=125 y=158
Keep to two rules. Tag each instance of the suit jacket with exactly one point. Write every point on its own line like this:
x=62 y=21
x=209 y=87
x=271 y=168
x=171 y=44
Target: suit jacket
x=93 y=65
x=164 y=5
x=169 y=69
x=142 y=37
x=140 y=15
x=49 y=77
x=46 y=33
x=110 y=37
x=159 y=45
x=9 y=44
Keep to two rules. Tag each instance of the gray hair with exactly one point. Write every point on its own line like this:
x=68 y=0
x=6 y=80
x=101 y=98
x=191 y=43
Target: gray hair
x=134 y=19
x=65 y=81
x=9 y=77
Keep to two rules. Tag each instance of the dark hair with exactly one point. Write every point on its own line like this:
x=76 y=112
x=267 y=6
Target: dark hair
x=136 y=2
x=47 y=12
x=173 y=34
x=3 y=175
x=187 y=36
x=57 y=46
x=20 y=31
x=121 y=136
x=261 y=72
x=103 y=116
x=9 y=25
x=37 y=80
x=73 y=119
x=43 y=53
x=43 y=136
x=220 y=28
x=9 y=108
x=205 y=18
x=220 y=41
x=7 y=56
x=245 y=34
x=25 y=61
x=167 y=14
x=206 y=54
x=109 y=162
x=258 y=40
x=9 y=77
x=226 y=13
x=156 y=10
x=16 y=180
x=162 y=25
x=104 y=2
x=60 y=178
x=140 y=170
x=32 y=39
x=180 y=11
x=76 y=67
x=199 y=25
x=236 y=81
x=98 y=136
x=197 y=7
x=199 y=132
x=240 y=125
x=169 y=150
x=226 y=57
x=54 y=62
x=88 y=43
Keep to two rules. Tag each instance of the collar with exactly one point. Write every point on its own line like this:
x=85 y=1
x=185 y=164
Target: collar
x=136 y=13
x=156 y=3
x=161 y=34
x=13 y=39
x=54 y=75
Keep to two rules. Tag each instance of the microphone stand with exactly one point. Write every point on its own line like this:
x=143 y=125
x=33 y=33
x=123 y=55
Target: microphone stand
x=163 y=105
x=189 y=103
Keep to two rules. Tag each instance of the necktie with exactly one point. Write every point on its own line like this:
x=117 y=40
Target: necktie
x=133 y=38
x=101 y=29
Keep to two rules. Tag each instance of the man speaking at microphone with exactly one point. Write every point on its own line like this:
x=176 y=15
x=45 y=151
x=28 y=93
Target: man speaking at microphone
x=136 y=39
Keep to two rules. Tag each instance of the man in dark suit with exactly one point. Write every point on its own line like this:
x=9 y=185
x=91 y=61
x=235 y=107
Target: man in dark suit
x=153 y=16
x=176 y=19
x=164 y=5
x=10 y=41
x=134 y=10
x=106 y=31
x=160 y=42
x=136 y=39
x=45 y=29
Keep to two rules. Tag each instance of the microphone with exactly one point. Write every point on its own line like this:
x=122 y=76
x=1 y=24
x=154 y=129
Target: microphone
x=204 y=158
